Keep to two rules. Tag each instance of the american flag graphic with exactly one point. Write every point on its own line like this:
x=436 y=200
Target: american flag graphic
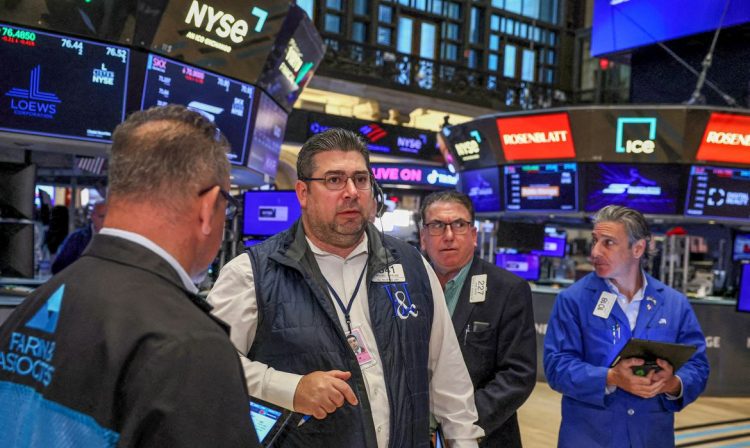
x=94 y=165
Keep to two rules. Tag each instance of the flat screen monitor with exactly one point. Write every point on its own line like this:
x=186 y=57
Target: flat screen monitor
x=60 y=86
x=716 y=192
x=743 y=300
x=271 y=422
x=227 y=103
x=269 y=212
x=17 y=183
x=554 y=243
x=621 y=25
x=551 y=187
x=741 y=247
x=522 y=236
x=268 y=135
x=483 y=188
x=654 y=189
x=525 y=266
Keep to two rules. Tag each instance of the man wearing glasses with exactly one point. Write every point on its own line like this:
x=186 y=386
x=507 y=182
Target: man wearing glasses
x=117 y=349
x=491 y=312
x=293 y=301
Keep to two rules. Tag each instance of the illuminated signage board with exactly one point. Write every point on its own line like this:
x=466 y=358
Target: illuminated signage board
x=426 y=176
x=381 y=138
x=268 y=135
x=726 y=139
x=59 y=86
x=474 y=145
x=483 y=187
x=718 y=192
x=227 y=103
x=541 y=187
x=635 y=135
x=534 y=137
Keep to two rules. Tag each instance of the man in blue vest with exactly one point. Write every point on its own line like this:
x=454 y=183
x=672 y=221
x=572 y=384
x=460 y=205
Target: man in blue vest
x=607 y=406
x=492 y=315
x=293 y=301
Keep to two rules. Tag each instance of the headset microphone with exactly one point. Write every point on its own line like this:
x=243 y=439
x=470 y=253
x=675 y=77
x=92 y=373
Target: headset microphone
x=379 y=199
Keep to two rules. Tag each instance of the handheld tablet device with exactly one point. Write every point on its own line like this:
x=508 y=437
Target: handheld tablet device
x=649 y=351
x=270 y=421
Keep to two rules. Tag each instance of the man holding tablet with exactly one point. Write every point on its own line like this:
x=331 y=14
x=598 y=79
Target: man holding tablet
x=593 y=320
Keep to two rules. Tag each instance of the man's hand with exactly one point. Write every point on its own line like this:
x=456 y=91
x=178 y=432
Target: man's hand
x=321 y=393
x=623 y=377
x=672 y=385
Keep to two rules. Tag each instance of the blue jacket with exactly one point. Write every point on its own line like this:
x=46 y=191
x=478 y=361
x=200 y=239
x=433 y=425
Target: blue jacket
x=579 y=347
x=299 y=331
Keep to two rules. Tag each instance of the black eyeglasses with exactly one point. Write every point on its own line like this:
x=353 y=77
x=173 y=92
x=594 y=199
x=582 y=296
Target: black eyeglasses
x=233 y=205
x=337 y=181
x=458 y=227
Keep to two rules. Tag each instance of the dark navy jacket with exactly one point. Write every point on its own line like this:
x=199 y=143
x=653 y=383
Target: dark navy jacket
x=299 y=332
x=114 y=351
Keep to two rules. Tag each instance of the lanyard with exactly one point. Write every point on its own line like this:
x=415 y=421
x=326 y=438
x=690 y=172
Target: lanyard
x=348 y=308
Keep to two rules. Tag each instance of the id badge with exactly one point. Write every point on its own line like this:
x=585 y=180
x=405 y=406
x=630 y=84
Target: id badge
x=361 y=347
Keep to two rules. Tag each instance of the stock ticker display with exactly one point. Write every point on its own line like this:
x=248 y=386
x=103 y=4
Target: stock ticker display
x=717 y=192
x=225 y=102
x=541 y=187
x=60 y=86
x=268 y=135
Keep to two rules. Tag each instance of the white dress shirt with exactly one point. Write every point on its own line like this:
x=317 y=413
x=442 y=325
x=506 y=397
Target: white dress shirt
x=451 y=391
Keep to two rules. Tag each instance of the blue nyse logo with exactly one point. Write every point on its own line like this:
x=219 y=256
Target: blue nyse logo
x=32 y=101
x=46 y=318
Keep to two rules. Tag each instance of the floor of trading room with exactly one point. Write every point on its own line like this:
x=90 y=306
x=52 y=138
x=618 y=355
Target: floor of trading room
x=709 y=422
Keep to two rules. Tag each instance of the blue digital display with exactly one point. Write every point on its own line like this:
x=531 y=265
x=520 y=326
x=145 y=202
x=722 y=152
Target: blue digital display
x=268 y=135
x=623 y=24
x=743 y=301
x=422 y=175
x=227 y=103
x=541 y=187
x=741 y=247
x=655 y=189
x=270 y=212
x=60 y=86
x=483 y=188
x=554 y=243
x=525 y=266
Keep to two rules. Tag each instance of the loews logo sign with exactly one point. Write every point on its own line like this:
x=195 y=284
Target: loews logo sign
x=726 y=139
x=635 y=146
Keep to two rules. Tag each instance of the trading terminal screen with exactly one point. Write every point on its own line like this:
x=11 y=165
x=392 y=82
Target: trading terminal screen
x=718 y=192
x=541 y=187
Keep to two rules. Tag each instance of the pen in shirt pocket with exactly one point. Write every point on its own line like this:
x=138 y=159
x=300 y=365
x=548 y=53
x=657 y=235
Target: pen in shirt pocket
x=466 y=332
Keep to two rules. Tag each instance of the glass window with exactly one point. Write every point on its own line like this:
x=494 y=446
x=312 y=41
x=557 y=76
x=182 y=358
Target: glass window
x=494 y=42
x=536 y=34
x=508 y=29
x=420 y=4
x=427 y=40
x=385 y=13
x=475 y=26
x=495 y=22
x=450 y=52
x=492 y=62
x=509 y=64
x=450 y=31
x=333 y=23
x=360 y=7
x=405 y=25
x=384 y=36
x=527 y=65
x=334 y=4
x=550 y=76
x=523 y=31
x=531 y=8
x=453 y=10
x=552 y=38
x=359 y=32
x=551 y=57
x=437 y=7
x=513 y=6
x=473 y=58
x=498 y=4
x=308 y=6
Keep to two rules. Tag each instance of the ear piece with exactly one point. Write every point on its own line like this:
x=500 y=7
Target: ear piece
x=379 y=199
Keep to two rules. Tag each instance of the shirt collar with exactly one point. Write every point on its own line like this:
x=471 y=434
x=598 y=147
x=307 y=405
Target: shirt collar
x=460 y=277
x=638 y=294
x=158 y=250
x=361 y=248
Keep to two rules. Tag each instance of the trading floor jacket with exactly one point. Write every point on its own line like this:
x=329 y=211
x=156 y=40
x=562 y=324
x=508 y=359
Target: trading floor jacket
x=297 y=316
x=115 y=352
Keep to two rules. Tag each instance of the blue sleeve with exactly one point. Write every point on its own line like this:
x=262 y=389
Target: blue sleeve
x=70 y=250
x=694 y=373
x=564 y=364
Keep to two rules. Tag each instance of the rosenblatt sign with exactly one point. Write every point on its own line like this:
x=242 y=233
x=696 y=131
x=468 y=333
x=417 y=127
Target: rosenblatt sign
x=533 y=137
x=727 y=139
